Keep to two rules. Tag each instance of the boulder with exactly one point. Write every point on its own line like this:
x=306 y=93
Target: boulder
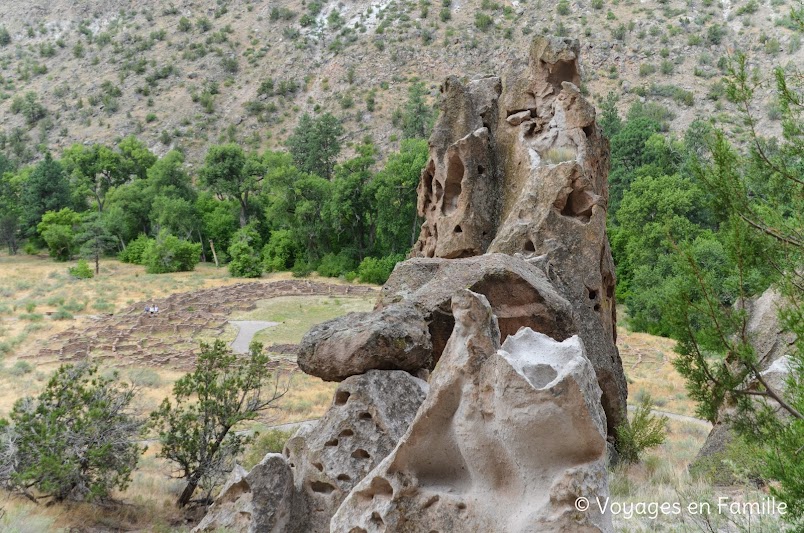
x=395 y=338
x=368 y=416
x=467 y=461
x=413 y=318
x=258 y=501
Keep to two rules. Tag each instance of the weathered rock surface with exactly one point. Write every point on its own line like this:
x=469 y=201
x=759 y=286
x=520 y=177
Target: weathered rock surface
x=506 y=440
x=413 y=318
x=521 y=167
x=253 y=502
x=368 y=416
x=395 y=338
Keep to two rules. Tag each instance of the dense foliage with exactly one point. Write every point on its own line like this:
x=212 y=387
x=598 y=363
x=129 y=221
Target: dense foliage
x=76 y=440
x=300 y=210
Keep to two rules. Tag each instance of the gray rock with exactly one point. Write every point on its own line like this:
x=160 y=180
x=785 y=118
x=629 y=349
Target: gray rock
x=369 y=414
x=467 y=462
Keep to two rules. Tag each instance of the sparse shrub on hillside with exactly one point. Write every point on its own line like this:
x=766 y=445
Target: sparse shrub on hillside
x=203 y=24
x=715 y=34
x=76 y=440
x=619 y=32
x=445 y=14
x=78 y=50
x=29 y=107
x=281 y=13
x=667 y=67
x=185 y=25
x=5 y=36
x=483 y=22
x=646 y=69
x=563 y=7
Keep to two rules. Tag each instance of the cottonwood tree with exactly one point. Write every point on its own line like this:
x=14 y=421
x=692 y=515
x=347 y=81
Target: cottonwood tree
x=197 y=428
x=230 y=173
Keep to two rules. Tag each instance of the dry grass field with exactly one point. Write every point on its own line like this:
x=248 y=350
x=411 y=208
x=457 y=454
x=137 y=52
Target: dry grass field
x=38 y=299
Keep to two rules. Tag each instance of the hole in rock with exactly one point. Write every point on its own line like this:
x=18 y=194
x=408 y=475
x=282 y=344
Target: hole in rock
x=458 y=229
x=589 y=131
x=592 y=294
x=346 y=433
x=319 y=466
x=539 y=375
x=332 y=442
x=365 y=415
x=597 y=307
x=529 y=246
x=430 y=501
x=321 y=487
x=341 y=397
x=376 y=519
x=562 y=71
x=461 y=506
x=344 y=477
x=578 y=205
x=360 y=529
x=480 y=169
x=452 y=185
x=360 y=453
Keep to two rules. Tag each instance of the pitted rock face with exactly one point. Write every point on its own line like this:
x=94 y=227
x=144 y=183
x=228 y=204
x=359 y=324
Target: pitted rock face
x=543 y=192
x=467 y=462
x=369 y=414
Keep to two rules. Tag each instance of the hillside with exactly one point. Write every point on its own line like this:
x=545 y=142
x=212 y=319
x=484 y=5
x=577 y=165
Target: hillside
x=190 y=73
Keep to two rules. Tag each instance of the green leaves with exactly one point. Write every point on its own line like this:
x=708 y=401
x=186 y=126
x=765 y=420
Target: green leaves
x=75 y=440
x=196 y=429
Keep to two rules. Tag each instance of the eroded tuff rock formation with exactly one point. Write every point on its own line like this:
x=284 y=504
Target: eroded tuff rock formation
x=515 y=168
x=490 y=447
x=506 y=305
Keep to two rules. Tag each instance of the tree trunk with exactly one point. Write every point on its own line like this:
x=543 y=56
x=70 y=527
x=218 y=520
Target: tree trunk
x=188 y=492
x=97 y=262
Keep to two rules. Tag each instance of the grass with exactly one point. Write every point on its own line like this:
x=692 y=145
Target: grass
x=297 y=314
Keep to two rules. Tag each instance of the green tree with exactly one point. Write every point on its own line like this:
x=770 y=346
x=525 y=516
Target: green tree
x=135 y=157
x=58 y=229
x=610 y=121
x=10 y=209
x=394 y=191
x=230 y=173
x=759 y=198
x=196 y=428
x=418 y=117
x=168 y=253
x=76 y=440
x=316 y=144
x=244 y=260
x=95 y=170
x=45 y=189
x=94 y=239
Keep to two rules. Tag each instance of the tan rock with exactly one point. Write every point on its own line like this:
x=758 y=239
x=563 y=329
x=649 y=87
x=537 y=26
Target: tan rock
x=506 y=440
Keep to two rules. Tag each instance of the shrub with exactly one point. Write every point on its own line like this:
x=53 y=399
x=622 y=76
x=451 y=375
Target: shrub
x=81 y=270
x=5 y=36
x=21 y=368
x=333 y=266
x=645 y=431
x=280 y=252
x=62 y=314
x=245 y=262
x=272 y=441
x=483 y=22
x=168 y=253
x=134 y=250
x=75 y=440
x=145 y=377
x=374 y=270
